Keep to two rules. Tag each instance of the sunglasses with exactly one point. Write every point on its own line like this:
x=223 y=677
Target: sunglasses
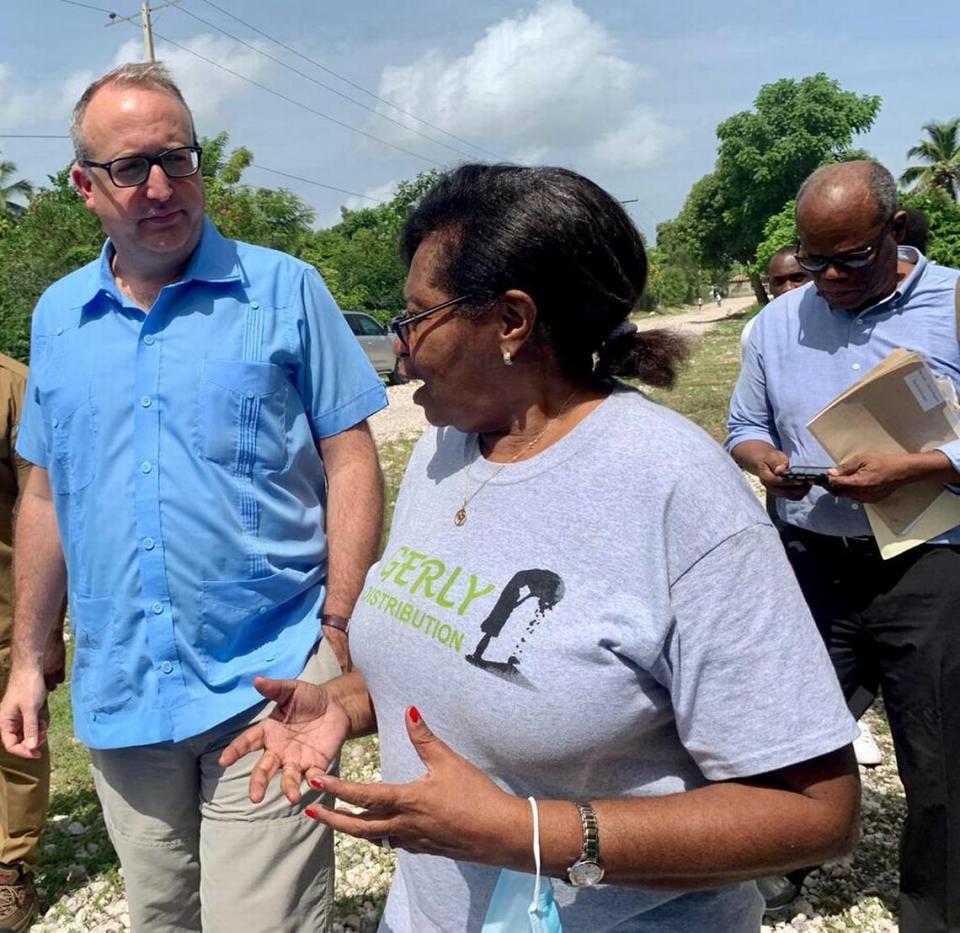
x=131 y=171
x=855 y=259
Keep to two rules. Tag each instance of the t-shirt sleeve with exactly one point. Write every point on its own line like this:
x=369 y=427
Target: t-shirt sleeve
x=338 y=385
x=752 y=685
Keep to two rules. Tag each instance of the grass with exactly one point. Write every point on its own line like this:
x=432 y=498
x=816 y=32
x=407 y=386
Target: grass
x=69 y=861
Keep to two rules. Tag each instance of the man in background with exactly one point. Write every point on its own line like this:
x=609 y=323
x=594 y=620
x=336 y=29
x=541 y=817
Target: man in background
x=24 y=782
x=888 y=622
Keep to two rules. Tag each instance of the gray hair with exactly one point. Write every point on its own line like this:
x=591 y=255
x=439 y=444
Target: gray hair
x=147 y=75
x=880 y=183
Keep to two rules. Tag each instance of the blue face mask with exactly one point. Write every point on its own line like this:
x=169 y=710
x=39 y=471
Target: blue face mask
x=522 y=903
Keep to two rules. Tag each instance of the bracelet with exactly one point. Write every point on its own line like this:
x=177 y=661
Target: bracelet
x=338 y=622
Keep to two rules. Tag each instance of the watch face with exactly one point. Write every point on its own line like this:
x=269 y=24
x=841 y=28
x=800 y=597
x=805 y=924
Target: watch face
x=585 y=874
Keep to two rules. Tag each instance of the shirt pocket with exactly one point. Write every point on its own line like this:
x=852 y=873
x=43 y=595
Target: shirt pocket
x=242 y=621
x=72 y=423
x=243 y=415
x=100 y=680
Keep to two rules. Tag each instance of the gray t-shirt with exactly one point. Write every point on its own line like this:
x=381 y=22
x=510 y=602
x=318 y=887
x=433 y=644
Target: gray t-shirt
x=616 y=618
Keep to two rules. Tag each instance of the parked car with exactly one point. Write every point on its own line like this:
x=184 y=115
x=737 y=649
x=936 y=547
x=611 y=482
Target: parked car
x=377 y=343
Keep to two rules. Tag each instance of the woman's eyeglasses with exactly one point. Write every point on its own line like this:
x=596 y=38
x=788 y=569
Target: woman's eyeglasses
x=400 y=324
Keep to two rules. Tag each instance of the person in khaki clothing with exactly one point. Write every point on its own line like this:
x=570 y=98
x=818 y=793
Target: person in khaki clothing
x=24 y=782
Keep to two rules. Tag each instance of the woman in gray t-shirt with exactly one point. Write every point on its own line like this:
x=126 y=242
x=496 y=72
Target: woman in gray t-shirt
x=580 y=601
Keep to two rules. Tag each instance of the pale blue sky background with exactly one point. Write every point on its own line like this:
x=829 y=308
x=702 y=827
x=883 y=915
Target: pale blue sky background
x=626 y=91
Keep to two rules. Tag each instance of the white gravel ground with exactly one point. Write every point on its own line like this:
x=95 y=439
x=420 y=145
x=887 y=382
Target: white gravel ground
x=856 y=893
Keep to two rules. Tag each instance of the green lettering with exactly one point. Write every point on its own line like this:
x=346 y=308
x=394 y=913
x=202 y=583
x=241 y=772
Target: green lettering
x=406 y=612
x=473 y=593
x=413 y=558
x=430 y=571
x=441 y=596
x=457 y=640
x=391 y=565
x=443 y=634
x=392 y=606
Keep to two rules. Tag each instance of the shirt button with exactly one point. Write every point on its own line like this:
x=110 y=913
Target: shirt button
x=261 y=610
x=59 y=331
x=855 y=366
x=166 y=667
x=854 y=505
x=146 y=466
x=149 y=543
x=56 y=422
x=157 y=609
x=251 y=394
x=859 y=323
x=255 y=305
x=149 y=340
x=146 y=401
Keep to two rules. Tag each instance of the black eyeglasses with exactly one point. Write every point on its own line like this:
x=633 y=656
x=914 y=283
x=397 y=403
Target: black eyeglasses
x=855 y=259
x=400 y=324
x=130 y=171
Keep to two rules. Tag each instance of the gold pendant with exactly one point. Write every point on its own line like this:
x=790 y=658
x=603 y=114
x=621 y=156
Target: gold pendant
x=460 y=517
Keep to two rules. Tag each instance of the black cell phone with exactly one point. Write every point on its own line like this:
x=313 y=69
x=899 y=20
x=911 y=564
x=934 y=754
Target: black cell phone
x=815 y=475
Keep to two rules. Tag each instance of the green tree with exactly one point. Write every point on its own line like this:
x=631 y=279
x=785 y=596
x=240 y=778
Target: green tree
x=10 y=189
x=763 y=156
x=944 y=216
x=941 y=152
x=360 y=256
x=779 y=231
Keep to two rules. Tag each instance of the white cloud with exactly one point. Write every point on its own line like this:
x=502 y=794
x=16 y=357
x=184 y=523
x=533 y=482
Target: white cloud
x=638 y=142
x=545 y=82
x=18 y=108
x=205 y=87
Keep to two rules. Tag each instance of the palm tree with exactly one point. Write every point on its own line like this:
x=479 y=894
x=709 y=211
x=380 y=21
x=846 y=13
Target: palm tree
x=21 y=188
x=942 y=152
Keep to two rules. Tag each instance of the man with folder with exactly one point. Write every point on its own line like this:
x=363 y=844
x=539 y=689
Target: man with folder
x=891 y=624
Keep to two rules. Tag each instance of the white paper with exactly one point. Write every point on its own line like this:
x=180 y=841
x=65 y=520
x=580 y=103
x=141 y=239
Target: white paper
x=924 y=389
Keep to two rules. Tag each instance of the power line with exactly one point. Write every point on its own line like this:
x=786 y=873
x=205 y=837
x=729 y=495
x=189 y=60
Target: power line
x=310 y=181
x=327 y=87
x=297 y=103
x=352 y=84
x=87 y=6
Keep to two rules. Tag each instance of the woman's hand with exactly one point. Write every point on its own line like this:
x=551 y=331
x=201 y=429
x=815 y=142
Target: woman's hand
x=454 y=810
x=302 y=736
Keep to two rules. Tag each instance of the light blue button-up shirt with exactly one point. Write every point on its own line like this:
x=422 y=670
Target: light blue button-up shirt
x=803 y=353
x=181 y=448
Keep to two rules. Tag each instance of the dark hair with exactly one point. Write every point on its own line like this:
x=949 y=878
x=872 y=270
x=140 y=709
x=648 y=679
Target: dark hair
x=916 y=230
x=564 y=241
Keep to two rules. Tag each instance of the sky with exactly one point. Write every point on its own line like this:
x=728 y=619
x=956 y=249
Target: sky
x=363 y=94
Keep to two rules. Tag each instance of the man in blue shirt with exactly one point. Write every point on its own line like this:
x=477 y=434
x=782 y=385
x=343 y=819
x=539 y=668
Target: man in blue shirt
x=888 y=623
x=206 y=489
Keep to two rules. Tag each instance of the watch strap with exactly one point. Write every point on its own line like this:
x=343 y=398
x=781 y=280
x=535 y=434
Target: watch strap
x=591 y=832
x=338 y=622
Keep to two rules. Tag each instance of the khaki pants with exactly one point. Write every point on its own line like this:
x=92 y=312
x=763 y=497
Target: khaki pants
x=24 y=786
x=196 y=854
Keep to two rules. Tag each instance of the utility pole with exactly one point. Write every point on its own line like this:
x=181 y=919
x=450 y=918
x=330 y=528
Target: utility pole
x=146 y=23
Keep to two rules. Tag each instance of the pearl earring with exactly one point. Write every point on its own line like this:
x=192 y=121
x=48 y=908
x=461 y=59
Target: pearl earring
x=507 y=358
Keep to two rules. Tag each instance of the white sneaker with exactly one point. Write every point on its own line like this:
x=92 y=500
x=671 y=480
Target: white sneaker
x=866 y=749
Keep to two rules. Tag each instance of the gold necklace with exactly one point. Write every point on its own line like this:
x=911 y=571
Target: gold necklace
x=468 y=496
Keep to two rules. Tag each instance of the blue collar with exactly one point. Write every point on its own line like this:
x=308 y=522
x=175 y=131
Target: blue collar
x=214 y=260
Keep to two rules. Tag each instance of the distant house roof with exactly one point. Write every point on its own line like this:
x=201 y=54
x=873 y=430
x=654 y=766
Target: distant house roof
x=740 y=278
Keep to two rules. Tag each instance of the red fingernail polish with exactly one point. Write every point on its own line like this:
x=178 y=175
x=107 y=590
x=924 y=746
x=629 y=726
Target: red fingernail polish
x=311 y=813
x=316 y=784
x=414 y=714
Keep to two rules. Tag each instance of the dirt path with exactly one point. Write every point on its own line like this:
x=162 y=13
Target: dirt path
x=403 y=419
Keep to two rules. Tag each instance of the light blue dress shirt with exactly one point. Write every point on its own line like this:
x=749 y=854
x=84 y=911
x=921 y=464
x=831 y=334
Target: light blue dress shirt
x=189 y=491
x=803 y=353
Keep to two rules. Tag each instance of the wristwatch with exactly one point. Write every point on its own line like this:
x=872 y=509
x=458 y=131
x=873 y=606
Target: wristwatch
x=587 y=870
